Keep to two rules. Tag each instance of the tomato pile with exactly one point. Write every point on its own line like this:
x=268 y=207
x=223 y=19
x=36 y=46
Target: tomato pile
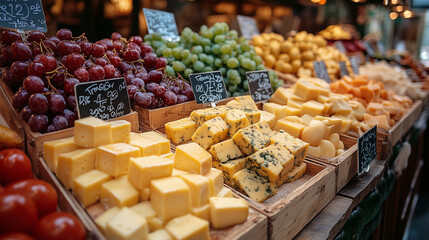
x=28 y=205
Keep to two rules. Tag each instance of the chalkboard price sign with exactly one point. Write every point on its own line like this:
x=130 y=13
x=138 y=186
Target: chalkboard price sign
x=22 y=15
x=208 y=87
x=343 y=69
x=321 y=71
x=103 y=99
x=248 y=26
x=161 y=22
x=340 y=46
x=354 y=60
x=259 y=85
x=367 y=149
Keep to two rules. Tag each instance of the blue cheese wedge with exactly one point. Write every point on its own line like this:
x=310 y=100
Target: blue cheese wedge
x=250 y=139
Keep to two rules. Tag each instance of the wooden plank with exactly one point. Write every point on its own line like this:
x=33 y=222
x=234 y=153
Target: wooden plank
x=329 y=222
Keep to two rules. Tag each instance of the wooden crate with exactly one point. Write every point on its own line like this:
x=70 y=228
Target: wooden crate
x=256 y=226
x=297 y=203
x=345 y=164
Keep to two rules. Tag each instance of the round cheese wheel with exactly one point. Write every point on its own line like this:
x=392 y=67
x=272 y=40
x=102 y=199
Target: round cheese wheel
x=340 y=145
x=314 y=151
x=339 y=152
x=314 y=132
x=335 y=139
x=327 y=149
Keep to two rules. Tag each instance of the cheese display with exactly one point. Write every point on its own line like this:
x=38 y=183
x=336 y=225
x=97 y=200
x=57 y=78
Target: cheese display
x=52 y=150
x=181 y=130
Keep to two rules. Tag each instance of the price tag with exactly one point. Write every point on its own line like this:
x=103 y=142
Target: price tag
x=369 y=48
x=208 y=87
x=259 y=85
x=343 y=69
x=367 y=149
x=248 y=26
x=104 y=99
x=340 y=46
x=355 y=62
x=22 y=15
x=161 y=22
x=321 y=71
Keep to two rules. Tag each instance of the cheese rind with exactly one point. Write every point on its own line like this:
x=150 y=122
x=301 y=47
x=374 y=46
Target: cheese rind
x=114 y=158
x=227 y=211
x=73 y=164
x=192 y=158
x=142 y=170
x=181 y=130
x=127 y=225
x=92 y=132
x=254 y=186
x=52 y=150
x=119 y=192
x=211 y=132
x=188 y=227
x=225 y=151
x=87 y=187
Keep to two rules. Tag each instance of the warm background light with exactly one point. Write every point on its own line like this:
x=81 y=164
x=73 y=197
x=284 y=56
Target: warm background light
x=393 y=15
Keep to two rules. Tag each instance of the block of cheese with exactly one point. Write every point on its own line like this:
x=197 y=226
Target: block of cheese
x=269 y=118
x=101 y=221
x=296 y=146
x=227 y=211
x=281 y=95
x=163 y=142
x=142 y=170
x=253 y=116
x=127 y=225
x=73 y=164
x=340 y=106
x=306 y=119
x=92 y=132
x=87 y=187
x=144 y=194
x=192 y=158
x=200 y=116
x=160 y=234
x=225 y=192
x=188 y=227
x=264 y=128
x=296 y=173
x=256 y=187
x=119 y=192
x=334 y=138
x=278 y=110
x=292 y=111
x=233 y=102
x=345 y=123
x=327 y=149
x=114 y=158
x=215 y=178
x=211 y=132
x=170 y=197
x=295 y=103
x=225 y=151
x=120 y=131
x=147 y=147
x=312 y=108
x=335 y=123
x=177 y=172
x=199 y=187
x=156 y=223
x=250 y=139
x=202 y=212
x=181 y=130
x=293 y=128
x=247 y=101
x=52 y=149
x=314 y=132
x=169 y=155
x=230 y=168
x=235 y=120
x=144 y=209
x=306 y=90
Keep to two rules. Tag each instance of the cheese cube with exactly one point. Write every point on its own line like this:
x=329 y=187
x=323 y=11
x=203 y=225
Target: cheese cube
x=306 y=119
x=177 y=172
x=87 y=187
x=215 y=178
x=52 y=149
x=250 y=139
x=169 y=155
x=119 y=192
x=181 y=130
x=228 y=211
x=74 y=164
x=296 y=146
x=235 y=120
x=292 y=111
x=170 y=197
x=269 y=118
x=225 y=192
x=295 y=103
x=192 y=158
x=233 y=102
x=278 y=110
x=296 y=173
x=200 y=116
x=306 y=90
x=211 y=132
x=247 y=101
x=257 y=188
x=199 y=187
x=101 y=221
x=160 y=234
x=202 y=212
x=253 y=116
x=188 y=227
x=144 y=194
x=114 y=158
x=312 y=108
x=120 y=131
x=163 y=142
x=127 y=225
x=144 y=169
x=293 y=128
x=230 y=168
x=144 y=209
x=340 y=106
x=333 y=125
x=92 y=132
x=264 y=128
x=147 y=146
x=345 y=123
x=281 y=95
x=225 y=151
x=155 y=223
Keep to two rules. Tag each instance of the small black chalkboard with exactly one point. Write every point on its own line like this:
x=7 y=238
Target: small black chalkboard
x=259 y=85
x=355 y=61
x=161 y=22
x=343 y=69
x=208 y=87
x=340 y=46
x=248 y=26
x=367 y=149
x=22 y=15
x=321 y=71
x=369 y=48
x=104 y=99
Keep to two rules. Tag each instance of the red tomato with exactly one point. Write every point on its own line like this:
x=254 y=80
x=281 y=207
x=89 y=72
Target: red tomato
x=59 y=225
x=15 y=236
x=42 y=194
x=17 y=213
x=14 y=166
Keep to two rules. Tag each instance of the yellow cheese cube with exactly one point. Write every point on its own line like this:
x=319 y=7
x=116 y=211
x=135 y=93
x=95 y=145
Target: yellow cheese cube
x=294 y=119
x=169 y=155
x=87 y=187
x=192 y=158
x=340 y=106
x=188 y=227
x=250 y=139
x=101 y=221
x=144 y=194
x=256 y=187
x=119 y=192
x=278 y=110
x=333 y=125
x=327 y=108
x=199 y=187
x=306 y=119
x=92 y=132
x=52 y=149
x=312 y=108
x=73 y=164
x=170 y=197
x=225 y=151
x=296 y=173
x=227 y=211
x=163 y=142
x=253 y=116
x=127 y=225
x=306 y=90
x=177 y=172
x=200 y=116
x=120 y=131
x=143 y=169
x=295 y=103
x=296 y=146
x=345 y=123
x=202 y=212
x=211 y=132
x=181 y=130
x=293 y=128
x=247 y=101
x=235 y=120
x=230 y=168
x=323 y=99
x=114 y=158
x=144 y=209
x=264 y=128
x=281 y=95
x=155 y=223
x=269 y=118
x=291 y=111
x=160 y=234
x=233 y=102
x=147 y=147
x=215 y=178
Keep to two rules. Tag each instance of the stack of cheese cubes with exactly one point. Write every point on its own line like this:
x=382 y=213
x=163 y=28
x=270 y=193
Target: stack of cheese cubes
x=148 y=192
x=309 y=111
x=253 y=158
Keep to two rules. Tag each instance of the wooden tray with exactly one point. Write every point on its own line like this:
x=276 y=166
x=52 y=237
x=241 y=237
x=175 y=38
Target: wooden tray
x=345 y=164
x=297 y=203
x=254 y=228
